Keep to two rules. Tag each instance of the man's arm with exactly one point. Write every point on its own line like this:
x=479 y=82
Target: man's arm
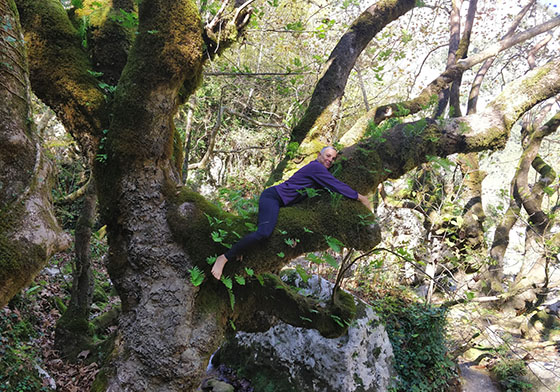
x=365 y=201
x=325 y=178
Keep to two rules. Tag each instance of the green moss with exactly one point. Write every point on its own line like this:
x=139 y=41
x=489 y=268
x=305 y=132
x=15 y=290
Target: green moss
x=74 y=323
x=19 y=261
x=101 y=382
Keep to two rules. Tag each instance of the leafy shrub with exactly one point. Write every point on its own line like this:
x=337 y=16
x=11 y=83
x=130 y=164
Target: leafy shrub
x=417 y=333
x=510 y=374
x=17 y=371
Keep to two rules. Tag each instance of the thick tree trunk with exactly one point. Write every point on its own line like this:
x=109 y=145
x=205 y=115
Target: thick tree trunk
x=29 y=233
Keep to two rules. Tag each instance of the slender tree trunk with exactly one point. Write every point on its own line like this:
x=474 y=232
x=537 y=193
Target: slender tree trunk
x=73 y=334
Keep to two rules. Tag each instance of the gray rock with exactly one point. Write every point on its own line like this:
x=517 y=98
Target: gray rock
x=287 y=358
x=213 y=385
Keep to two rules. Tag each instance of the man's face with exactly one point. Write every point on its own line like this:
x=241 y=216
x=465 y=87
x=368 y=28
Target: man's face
x=327 y=157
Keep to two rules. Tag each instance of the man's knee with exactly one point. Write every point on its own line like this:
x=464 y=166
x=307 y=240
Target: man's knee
x=263 y=234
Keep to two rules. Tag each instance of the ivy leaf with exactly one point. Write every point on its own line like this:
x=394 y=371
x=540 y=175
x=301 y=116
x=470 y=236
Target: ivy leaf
x=240 y=280
x=337 y=320
x=334 y=244
x=302 y=273
x=197 y=276
x=249 y=271
x=211 y=259
x=226 y=280
x=331 y=261
x=216 y=237
x=315 y=259
x=280 y=254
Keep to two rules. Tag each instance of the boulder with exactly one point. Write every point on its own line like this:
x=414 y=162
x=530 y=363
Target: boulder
x=287 y=358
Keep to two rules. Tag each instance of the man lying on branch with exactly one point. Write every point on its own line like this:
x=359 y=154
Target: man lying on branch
x=313 y=175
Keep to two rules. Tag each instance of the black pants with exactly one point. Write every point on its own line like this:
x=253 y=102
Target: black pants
x=269 y=207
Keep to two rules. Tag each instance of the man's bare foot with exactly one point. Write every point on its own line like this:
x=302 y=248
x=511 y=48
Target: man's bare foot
x=218 y=267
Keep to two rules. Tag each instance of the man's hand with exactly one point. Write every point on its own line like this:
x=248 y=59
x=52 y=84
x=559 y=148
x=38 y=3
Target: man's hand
x=365 y=201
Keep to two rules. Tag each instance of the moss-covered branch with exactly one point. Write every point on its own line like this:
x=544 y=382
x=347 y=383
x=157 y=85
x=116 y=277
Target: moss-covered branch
x=108 y=36
x=428 y=95
x=204 y=230
x=405 y=146
x=261 y=301
x=320 y=116
x=531 y=202
x=59 y=69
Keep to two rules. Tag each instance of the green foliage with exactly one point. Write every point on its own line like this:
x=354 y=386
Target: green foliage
x=18 y=356
x=334 y=244
x=295 y=26
x=509 y=373
x=302 y=273
x=309 y=192
x=226 y=280
x=417 y=333
x=197 y=276
x=249 y=271
x=375 y=132
x=291 y=150
x=129 y=20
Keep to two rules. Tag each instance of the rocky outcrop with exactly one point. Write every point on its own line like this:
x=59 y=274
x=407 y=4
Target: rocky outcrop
x=287 y=358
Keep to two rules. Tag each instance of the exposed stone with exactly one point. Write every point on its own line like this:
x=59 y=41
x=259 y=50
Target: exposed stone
x=213 y=385
x=298 y=359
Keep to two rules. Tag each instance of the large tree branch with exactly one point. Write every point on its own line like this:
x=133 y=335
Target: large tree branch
x=426 y=96
x=475 y=88
x=265 y=300
x=205 y=230
x=29 y=233
x=323 y=106
x=405 y=146
x=537 y=217
x=108 y=38
x=59 y=71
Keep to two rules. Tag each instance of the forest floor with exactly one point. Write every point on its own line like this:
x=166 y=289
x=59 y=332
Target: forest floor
x=27 y=327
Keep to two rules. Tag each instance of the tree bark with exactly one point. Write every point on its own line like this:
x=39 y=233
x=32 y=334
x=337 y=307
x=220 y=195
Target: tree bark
x=73 y=334
x=29 y=234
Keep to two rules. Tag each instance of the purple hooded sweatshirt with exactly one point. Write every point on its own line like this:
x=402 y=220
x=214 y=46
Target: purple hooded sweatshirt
x=313 y=175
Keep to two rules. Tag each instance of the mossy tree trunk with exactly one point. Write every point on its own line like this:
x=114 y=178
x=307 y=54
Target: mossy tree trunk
x=159 y=231
x=29 y=233
x=73 y=333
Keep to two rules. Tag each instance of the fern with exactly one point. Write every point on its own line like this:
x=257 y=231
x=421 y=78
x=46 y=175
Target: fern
x=197 y=276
